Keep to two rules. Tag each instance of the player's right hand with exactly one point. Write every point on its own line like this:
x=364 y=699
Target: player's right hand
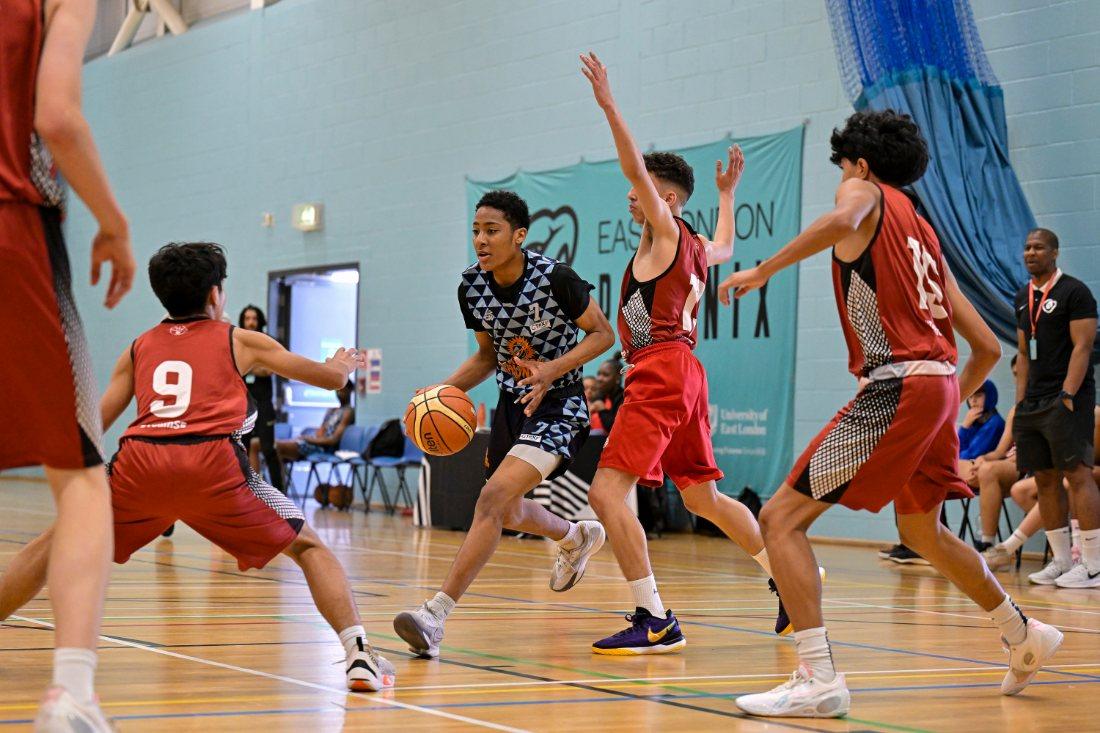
x=596 y=73
x=741 y=282
x=114 y=247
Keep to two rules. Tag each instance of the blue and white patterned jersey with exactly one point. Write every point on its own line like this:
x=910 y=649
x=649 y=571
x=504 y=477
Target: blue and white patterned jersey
x=534 y=318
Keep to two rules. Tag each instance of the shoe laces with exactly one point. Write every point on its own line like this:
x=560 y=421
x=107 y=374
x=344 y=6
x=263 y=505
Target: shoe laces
x=801 y=674
x=635 y=620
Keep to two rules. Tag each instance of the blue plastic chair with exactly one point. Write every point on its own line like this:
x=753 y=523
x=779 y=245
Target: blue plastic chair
x=410 y=458
x=354 y=439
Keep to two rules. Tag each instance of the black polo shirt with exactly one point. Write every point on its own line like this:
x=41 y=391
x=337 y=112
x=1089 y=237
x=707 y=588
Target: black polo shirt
x=1069 y=300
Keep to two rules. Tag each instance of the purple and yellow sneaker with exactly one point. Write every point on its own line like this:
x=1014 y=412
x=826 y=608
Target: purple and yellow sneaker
x=647 y=634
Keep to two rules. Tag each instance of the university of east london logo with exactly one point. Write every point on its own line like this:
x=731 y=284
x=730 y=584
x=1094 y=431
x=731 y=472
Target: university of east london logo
x=554 y=233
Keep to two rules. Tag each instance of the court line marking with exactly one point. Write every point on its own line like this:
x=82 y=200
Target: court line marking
x=290 y=680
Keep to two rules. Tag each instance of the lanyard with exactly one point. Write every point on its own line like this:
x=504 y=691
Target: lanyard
x=1033 y=310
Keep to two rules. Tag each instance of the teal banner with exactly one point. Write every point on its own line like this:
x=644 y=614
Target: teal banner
x=579 y=216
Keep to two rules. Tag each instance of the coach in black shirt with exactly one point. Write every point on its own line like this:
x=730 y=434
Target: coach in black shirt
x=1055 y=388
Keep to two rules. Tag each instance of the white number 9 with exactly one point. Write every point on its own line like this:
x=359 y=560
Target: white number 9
x=180 y=390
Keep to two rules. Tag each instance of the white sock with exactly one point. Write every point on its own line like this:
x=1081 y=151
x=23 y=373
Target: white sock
x=646 y=596
x=813 y=650
x=762 y=560
x=1010 y=620
x=1090 y=549
x=1059 y=545
x=989 y=539
x=74 y=669
x=1014 y=542
x=572 y=538
x=351 y=638
x=441 y=605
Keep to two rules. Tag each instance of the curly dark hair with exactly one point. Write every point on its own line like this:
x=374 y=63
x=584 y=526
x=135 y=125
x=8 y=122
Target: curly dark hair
x=182 y=274
x=261 y=319
x=888 y=140
x=671 y=168
x=510 y=204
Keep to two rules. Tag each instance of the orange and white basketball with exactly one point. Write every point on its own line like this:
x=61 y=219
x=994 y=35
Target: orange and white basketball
x=441 y=420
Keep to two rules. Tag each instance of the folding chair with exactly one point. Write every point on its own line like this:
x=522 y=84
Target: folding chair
x=352 y=443
x=411 y=457
x=288 y=465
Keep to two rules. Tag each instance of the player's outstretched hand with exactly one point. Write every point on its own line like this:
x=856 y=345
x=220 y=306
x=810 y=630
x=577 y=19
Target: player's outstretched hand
x=348 y=359
x=540 y=377
x=727 y=180
x=741 y=283
x=114 y=248
x=596 y=73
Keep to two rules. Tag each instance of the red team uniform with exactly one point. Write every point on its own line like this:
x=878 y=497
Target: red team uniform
x=47 y=389
x=663 y=425
x=182 y=457
x=896 y=440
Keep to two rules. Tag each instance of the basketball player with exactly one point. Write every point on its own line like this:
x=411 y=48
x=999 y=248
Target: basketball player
x=896 y=440
x=47 y=390
x=182 y=459
x=663 y=425
x=526 y=311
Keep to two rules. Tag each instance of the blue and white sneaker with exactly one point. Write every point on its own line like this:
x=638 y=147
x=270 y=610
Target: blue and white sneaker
x=647 y=634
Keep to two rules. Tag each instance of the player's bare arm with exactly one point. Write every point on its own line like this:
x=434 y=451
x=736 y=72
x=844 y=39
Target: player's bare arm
x=1082 y=332
x=598 y=338
x=856 y=201
x=985 y=350
x=120 y=390
x=253 y=349
x=478 y=367
x=61 y=125
x=720 y=250
x=662 y=227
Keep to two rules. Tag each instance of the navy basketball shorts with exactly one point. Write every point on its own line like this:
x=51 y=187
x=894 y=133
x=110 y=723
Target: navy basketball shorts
x=548 y=440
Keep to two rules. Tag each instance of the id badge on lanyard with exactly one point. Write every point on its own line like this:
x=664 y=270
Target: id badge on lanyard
x=1035 y=311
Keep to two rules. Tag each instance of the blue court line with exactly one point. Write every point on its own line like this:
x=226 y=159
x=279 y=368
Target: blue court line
x=526 y=703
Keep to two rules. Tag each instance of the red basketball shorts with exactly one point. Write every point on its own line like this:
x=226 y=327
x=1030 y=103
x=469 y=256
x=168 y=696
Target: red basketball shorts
x=663 y=424
x=209 y=487
x=49 y=405
x=895 y=441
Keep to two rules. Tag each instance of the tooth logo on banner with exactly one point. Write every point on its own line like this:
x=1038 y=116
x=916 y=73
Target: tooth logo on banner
x=554 y=233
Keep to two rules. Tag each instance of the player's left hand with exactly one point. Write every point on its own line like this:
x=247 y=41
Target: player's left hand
x=741 y=283
x=727 y=180
x=539 y=378
x=348 y=359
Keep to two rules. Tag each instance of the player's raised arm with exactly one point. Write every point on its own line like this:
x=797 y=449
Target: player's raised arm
x=985 y=350
x=856 y=200
x=120 y=390
x=253 y=348
x=478 y=367
x=657 y=212
x=721 y=248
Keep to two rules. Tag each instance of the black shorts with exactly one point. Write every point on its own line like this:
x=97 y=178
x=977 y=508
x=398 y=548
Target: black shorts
x=558 y=427
x=1051 y=436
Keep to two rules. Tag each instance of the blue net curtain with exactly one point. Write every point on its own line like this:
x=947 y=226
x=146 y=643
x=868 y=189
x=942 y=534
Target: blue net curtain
x=925 y=58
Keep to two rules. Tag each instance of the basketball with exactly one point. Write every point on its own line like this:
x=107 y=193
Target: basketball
x=440 y=420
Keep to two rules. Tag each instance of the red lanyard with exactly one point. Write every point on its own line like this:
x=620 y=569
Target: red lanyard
x=1035 y=310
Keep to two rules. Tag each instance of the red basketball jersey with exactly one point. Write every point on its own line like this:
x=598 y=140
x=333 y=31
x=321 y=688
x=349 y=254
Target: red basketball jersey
x=186 y=382
x=664 y=308
x=21 y=36
x=893 y=299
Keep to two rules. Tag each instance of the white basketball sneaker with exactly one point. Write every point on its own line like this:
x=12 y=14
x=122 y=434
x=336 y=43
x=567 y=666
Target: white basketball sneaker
x=1078 y=576
x=1025 y=658
x=59 y=712
x=421 y=629
x=1049 y=574
x=801 y=696
x=369 y=671
x=569 y=565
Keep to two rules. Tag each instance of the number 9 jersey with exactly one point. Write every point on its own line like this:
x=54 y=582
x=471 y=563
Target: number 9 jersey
x=186 y=382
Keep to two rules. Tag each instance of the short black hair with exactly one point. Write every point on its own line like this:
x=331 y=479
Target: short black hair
x=671 y=168
x=182 y=274
x=889 y=141
x=260 y=317
x=1045 y=234
x=510 y=204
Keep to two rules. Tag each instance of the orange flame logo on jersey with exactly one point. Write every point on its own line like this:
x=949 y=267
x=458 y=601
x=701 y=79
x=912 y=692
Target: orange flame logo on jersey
x=520 y=347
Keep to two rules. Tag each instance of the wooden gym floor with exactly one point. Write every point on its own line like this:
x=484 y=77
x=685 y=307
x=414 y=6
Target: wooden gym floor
x=192 y=644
